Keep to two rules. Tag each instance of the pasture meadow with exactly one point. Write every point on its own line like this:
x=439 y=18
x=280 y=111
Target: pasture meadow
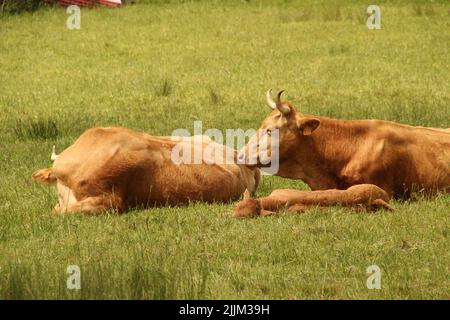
x=157 y=66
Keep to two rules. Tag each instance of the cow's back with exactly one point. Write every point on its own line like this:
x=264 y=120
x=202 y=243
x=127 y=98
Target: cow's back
x=167 y=181
x=415 y=157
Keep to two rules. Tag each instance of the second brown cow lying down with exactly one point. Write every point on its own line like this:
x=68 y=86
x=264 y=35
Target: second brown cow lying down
x=362 y=196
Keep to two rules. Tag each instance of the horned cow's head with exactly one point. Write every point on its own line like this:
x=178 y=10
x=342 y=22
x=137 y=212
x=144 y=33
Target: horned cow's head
x=282 y=129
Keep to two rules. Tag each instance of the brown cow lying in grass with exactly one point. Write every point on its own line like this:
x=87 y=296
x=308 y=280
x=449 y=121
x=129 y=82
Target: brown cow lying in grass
x=119 y=169
x=362 y=196
x=336 y=154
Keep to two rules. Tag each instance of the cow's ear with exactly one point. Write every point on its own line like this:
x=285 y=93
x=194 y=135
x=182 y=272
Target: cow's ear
x=307 y=125
x=247 y=195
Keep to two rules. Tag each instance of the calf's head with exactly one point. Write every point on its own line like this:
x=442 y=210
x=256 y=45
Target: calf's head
x=249 y=208
x=283 y=130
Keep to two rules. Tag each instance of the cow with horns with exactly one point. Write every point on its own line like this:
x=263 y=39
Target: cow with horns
x=337 y=154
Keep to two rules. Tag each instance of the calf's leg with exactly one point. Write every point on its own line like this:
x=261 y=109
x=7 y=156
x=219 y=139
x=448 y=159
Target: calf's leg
x=380 y=204
x=297 y=208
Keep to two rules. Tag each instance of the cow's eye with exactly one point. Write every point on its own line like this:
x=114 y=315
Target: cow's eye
x=269 y=132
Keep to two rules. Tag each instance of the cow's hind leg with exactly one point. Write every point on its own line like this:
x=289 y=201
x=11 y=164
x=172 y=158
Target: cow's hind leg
x=92 y=205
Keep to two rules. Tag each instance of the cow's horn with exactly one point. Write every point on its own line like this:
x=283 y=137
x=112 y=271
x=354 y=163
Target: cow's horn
x=283 y=109
x=269 y=100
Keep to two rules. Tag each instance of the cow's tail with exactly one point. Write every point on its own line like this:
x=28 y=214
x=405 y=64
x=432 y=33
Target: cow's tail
x=45 y=176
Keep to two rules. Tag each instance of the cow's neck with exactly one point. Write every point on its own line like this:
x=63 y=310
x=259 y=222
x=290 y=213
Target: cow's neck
x=322 y=156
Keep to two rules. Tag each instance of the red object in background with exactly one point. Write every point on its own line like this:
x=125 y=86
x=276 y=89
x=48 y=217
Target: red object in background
x=90 y=3
x=110 y=3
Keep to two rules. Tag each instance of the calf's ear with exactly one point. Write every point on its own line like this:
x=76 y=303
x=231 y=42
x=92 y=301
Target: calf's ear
x=306 y=126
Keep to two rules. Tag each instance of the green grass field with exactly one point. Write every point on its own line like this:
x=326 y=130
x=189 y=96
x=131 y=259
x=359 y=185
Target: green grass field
x=159 y=67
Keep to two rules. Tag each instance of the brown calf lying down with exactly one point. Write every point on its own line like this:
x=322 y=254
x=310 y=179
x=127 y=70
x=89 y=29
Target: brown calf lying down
x=362 y=196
